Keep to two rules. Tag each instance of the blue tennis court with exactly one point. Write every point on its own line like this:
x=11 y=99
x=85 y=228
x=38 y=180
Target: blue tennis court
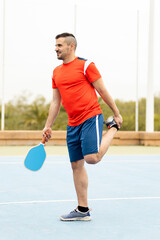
x=124 y=194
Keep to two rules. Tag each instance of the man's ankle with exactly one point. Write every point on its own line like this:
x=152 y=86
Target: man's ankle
x=83 y=209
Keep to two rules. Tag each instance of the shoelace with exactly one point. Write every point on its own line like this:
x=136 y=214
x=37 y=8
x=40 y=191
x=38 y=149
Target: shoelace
x=76 y=210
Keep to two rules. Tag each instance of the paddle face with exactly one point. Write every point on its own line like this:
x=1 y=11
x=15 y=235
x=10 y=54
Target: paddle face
x=35 y=158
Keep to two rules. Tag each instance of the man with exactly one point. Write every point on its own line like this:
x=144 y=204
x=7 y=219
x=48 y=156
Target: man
x=74 y=84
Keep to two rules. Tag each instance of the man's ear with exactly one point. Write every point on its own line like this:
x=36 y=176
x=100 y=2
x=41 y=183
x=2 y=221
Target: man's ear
x=72 y=45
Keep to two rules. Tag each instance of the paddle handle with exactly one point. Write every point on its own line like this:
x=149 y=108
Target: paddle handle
x=43 y=140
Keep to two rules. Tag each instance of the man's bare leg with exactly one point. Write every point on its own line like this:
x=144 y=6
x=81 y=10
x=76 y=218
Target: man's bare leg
x=105 y=143
x=81 y=185
x=81 y=182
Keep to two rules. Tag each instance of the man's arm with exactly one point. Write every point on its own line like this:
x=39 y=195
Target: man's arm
x=53 y=112
x=101 y=89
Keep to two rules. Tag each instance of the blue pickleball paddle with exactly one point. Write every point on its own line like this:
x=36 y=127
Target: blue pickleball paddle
x=35 y=157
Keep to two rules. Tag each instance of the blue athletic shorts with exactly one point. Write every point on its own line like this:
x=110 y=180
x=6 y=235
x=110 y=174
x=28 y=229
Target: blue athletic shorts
x=85 y=138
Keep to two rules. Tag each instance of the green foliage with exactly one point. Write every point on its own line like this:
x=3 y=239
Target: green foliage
x=61 y=121
x=157 y=114
x=20 y=115
x=142 y=114
x=127 y=110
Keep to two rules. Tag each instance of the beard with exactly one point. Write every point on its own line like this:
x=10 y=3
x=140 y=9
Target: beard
x=62 y=55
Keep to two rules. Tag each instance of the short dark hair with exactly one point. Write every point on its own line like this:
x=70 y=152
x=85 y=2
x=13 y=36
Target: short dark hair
x=67 y=35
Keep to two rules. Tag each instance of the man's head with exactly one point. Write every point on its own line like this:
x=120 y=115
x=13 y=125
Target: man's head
x=66 y=44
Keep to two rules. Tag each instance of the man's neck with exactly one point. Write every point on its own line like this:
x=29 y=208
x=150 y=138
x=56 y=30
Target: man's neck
x=69 y=59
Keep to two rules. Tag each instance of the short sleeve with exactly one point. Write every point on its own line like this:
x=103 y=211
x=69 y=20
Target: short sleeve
x=53 y=81
x=92 y=73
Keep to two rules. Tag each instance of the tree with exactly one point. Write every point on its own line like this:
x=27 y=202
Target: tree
x=20 y=115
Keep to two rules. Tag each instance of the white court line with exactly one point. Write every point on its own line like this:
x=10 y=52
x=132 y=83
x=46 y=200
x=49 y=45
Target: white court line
x=67 y=161
x=21 y=162
x=74 y=200
x=9 y=163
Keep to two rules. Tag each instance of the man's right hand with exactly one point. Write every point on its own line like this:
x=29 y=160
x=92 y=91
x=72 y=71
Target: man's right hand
x=47 y=133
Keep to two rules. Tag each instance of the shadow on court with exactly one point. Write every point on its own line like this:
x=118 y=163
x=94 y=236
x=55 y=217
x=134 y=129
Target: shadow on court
x=124 y=194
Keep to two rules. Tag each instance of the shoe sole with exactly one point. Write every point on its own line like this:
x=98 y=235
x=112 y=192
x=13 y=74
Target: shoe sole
x=87 y=218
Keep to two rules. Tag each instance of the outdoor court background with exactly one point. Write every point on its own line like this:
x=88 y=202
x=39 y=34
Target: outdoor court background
x=124 y=194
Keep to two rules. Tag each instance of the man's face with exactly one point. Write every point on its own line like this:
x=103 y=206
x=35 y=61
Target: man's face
x=62 y=49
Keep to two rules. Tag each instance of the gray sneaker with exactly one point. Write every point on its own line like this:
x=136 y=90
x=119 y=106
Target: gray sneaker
x=110 y=122
x=76 y=215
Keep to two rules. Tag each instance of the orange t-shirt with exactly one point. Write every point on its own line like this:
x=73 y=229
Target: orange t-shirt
x=78 y=96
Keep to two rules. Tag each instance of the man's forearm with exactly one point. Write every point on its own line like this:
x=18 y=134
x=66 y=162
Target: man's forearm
x=53 y=112
x=101 y=89
x=110 y=102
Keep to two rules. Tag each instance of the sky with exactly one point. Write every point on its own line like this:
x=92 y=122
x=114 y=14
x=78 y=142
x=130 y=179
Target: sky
x=106 y=32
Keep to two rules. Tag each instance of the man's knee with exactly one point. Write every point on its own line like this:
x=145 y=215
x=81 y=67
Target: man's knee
x=77 y=165
x=92 y=158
